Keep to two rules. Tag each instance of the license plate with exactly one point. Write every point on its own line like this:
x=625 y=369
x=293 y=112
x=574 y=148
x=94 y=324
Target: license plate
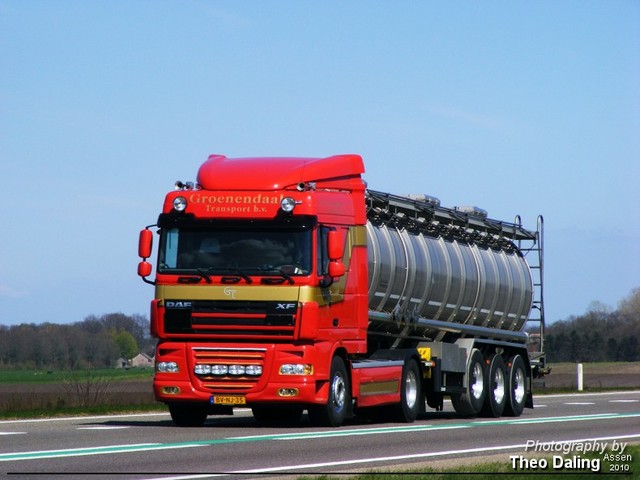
x=229 y=400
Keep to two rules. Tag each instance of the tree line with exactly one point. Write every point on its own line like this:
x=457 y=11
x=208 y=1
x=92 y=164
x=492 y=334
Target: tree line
x=600 y=335
x=95 y=342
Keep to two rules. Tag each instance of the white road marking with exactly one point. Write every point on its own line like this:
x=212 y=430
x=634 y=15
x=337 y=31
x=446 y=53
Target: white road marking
x=189 y=477
x=72 y=419
x=584 y=394
x=104 y=428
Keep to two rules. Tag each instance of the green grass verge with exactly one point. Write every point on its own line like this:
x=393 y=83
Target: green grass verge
x=43 y=376
x=34 y=393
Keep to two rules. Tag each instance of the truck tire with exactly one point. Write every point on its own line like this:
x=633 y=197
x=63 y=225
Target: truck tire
x=338 y=404
x=471 y=401
x=516 y=386
x=188 y=414
x=496 y=388
x=410 y=393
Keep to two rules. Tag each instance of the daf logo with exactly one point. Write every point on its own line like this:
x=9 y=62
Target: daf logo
x=285 y=306
x=178 y=304
x=230 y=292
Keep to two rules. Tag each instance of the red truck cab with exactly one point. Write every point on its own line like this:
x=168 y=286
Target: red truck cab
x=259 y=286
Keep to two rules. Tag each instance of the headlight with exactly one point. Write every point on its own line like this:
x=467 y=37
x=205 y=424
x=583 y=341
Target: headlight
x=167 y=367
x=179 y=204
x=253 y=370
x=201 y=369
x=236 y=369
x=205 y=369
x=219 y=369
x=296 y=369
x=287 y=204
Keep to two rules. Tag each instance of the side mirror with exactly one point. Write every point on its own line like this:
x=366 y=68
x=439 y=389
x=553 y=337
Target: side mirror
x=335 y=245
x=335 y=250
x=145 y=243
x=336 y=269
x=144 y=269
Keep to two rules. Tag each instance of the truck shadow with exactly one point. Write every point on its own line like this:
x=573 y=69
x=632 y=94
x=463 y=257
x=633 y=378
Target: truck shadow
x=248 y=422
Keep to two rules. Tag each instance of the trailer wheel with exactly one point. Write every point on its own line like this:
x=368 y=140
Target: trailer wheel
x=516 y=386
x=470 y=402
x=496 y=388
x=188 y=414
x=410 y=393
x=338 y=404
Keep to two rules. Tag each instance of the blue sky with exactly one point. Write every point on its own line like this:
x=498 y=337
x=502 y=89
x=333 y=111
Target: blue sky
x=518 y=107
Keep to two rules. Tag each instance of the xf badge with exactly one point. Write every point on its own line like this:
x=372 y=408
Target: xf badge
x=285 y=306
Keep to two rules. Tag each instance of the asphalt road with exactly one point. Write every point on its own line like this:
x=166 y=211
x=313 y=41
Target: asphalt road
x=148 y=446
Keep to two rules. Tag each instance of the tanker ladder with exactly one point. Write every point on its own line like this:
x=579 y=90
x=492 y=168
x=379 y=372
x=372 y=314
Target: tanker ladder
x=534 y=253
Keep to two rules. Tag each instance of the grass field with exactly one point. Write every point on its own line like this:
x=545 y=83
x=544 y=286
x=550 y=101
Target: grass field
x=43 y=376
x=28 y=393
x=606 y=375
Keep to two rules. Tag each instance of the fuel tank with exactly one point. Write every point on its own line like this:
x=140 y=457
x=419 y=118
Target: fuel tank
x=420 y=276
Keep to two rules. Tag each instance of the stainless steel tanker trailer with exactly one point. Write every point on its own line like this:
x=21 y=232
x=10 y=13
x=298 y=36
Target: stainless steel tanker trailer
x=464 y=288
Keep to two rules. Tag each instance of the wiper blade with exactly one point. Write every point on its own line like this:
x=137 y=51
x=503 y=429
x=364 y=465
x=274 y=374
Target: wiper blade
x=277 y=271
x=204 y=275
x=240 y=273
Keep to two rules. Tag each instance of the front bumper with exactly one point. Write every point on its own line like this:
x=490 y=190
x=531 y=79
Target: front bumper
x=269 y=387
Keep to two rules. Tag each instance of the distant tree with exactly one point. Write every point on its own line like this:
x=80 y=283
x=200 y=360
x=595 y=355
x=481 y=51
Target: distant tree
x=598 y=309
x=91 y=324
x=575 y=346
x=121 y=322
x=612 y=350
x=629 y=349
x=601 y=334
x=557 y=350
x=594 y=344
x=127 y=344
x=88 y=344
x=630 y=306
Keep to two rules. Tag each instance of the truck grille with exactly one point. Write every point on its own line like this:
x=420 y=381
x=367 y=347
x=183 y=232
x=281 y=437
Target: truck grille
x=231 y=318
x=231 y=356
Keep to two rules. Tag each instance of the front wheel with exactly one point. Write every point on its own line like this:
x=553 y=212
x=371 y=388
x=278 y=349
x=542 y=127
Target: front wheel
x=338 y=404
x=410 y=393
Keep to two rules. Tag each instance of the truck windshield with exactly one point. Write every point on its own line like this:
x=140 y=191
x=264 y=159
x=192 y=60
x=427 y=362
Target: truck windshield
x=246 y=250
